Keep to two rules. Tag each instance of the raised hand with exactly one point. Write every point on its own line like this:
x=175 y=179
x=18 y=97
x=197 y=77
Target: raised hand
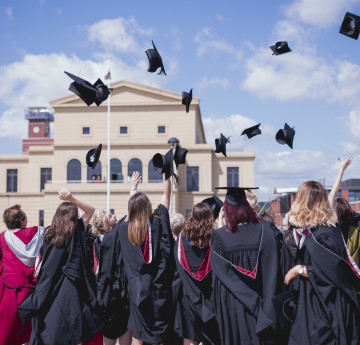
x=135 y=179
x=65 y=195
x=346 y=163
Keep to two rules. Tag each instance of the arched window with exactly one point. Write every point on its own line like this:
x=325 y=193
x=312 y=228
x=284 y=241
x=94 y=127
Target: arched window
x=94 y=175
x=74 y=170
x=134 y=165
x=154 y=176
x=116 y=170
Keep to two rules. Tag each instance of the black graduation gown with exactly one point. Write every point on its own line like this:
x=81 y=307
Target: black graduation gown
x=194 y=315
x=62 y=306
x=149 y=284
x=327 y=311
x=246 y=276
x=111 y=285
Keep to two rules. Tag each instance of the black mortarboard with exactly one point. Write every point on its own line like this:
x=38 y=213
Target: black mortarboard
x=179 y=156
x=155 y=60
x=236 y=195
x=103 y=94
x=350 y=26
x=220 y=144
x=92 y=157
x=164 y=164
x=86 y=91
x=215 y=204
x=280 y=48
x=186 y=99
x=252 y=131
x=285 y=307
x=285 y=136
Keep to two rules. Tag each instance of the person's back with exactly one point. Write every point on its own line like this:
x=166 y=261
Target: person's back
x=19 y=247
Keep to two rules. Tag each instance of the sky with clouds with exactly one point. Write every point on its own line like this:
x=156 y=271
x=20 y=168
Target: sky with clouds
x=221 y=50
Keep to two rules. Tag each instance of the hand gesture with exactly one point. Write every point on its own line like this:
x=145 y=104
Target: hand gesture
x=135 y=179
x=65 y=195
x=344 y=165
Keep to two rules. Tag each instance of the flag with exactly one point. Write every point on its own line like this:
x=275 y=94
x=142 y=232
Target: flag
x=108 y=76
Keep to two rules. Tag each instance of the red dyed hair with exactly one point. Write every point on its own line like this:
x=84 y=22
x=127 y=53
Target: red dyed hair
x=239 y=214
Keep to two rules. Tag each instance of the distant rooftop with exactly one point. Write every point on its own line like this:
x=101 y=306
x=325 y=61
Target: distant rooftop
x=39 y=113
x=352 y=184
x=285 y=190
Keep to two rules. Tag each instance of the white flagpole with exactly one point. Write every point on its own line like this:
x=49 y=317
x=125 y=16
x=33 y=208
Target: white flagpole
x=108 y=143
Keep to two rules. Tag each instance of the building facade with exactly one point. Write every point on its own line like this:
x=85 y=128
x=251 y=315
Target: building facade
x=143 y=119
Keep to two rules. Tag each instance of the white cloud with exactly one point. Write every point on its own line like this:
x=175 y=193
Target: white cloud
x=206 y=83
x=353 y=122
x=319 y=13
x=9 y=13
x=37 y=79
x=220 y=18
x=349 y=147
x=209 y=42
x=117 y=35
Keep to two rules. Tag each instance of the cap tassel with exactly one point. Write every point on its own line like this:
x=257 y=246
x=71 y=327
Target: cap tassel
x=162 y=71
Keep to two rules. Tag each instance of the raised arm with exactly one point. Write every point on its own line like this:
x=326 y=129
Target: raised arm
x=88 y=209
x=134 y=181
x=165 y=199
x=336 y=186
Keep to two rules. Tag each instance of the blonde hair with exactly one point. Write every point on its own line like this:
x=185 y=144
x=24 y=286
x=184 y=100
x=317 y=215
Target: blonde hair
x=139 y=212
x=311 y=207
x=177 y=223
x=252 y=200
x=100 y=222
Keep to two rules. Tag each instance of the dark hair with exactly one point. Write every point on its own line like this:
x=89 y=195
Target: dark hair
x=13 y=216
x=139 y=212
x=239 y=214
x=63 y=224
x=200 y=225
x=344 y=215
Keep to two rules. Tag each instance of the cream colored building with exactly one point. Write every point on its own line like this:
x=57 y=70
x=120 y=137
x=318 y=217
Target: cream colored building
x=143 y=119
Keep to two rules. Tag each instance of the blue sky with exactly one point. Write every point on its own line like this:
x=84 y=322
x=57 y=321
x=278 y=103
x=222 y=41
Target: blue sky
x=221 y=50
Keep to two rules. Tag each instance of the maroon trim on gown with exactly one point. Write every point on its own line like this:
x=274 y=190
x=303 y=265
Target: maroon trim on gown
x=16 y=274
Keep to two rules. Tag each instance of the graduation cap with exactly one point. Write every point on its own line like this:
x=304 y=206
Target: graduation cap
x=186 y=99
x=350 y=26
x=215 y=204
x=252 y=131
x=155 y=60
x=220 y=144
x=280 y=48
x=92 y=157
x=285 y=136
x=179 y=156
x=164 y=164
x=285 y=307
x=235 y=195
x=87 y=92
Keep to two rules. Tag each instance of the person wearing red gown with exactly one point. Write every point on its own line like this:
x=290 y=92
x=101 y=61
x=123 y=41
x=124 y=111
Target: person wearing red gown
x=19 y=248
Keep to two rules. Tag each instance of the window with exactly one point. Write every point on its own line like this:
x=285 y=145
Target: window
x=123 y=129
x=187 y=213
x=41 y=217
x=86 y=130
x=11 y=180
x=161 y=129
x=134 y=165
x=112 y=211
x=192 y=179
x=94 y=175
x=354 y=195
x=74 y=171
x=45 y=176
x=233 y=177
x=154 y=176
x=116 y=170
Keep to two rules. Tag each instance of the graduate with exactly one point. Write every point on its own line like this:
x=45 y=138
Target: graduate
x=245 y=262
x=19 y=248
x=325 y=274
x=62 y=306
x=195 y=320
x=112 y=296
x=147 y=253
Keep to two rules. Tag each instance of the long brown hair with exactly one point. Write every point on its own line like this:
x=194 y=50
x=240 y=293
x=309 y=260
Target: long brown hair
x=311 y=207
x=200 y=225
x=344 y=215
x=63 y=224
x=139 y=212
